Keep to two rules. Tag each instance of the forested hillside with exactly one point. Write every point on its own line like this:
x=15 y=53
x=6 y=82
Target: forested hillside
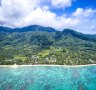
x=44 y=45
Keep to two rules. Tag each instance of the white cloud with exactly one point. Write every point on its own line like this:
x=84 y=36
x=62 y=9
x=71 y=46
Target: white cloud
x=87 y=20
x=61 y=3
x=80 y=12
x=15 y=13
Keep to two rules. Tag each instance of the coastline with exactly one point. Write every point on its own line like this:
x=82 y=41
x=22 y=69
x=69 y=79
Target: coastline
x=15 y=66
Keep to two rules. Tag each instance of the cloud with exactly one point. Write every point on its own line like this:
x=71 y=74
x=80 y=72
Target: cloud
x=80 y=12
x=61 y=3
x=86 y=20
x=15 y=13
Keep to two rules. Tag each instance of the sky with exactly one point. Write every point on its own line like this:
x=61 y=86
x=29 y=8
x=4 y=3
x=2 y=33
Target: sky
x=79 y=15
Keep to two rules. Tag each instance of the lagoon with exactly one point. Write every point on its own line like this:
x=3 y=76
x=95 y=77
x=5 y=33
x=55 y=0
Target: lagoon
x=48 y=78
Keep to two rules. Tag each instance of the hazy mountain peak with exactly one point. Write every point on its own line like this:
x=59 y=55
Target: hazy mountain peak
x=28 y=28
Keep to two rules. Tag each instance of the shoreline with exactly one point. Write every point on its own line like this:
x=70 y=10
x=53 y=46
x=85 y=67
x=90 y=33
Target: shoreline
x=15 y=66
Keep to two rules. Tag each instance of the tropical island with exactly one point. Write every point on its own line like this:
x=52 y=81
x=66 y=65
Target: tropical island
x=47 y=44
x=36 y=44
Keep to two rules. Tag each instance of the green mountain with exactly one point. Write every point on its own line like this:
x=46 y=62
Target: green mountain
x=27 y=29
x=45 y=45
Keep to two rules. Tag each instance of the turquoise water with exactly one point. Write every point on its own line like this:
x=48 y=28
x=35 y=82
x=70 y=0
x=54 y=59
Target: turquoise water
x=48 y=78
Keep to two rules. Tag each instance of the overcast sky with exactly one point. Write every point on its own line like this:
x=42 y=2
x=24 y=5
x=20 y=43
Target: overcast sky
x=79 y=15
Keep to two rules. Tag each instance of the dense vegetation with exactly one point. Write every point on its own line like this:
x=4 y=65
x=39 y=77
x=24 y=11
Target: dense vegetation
x=44 y=45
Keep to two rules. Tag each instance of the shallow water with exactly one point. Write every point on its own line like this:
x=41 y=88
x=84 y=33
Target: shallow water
x=48 y=78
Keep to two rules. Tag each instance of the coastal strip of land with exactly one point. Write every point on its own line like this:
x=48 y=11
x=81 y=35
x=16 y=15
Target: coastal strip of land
x=16 y=66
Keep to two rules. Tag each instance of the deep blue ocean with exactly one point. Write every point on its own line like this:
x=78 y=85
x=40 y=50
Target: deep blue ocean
x=48 y=78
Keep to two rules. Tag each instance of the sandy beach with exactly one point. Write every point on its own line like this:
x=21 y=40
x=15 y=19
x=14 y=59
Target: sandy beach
x=15 y=66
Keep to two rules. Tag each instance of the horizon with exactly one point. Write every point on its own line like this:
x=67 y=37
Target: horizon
x=78 y=15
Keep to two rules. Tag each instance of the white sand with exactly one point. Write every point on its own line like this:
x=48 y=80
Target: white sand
x=15 y=66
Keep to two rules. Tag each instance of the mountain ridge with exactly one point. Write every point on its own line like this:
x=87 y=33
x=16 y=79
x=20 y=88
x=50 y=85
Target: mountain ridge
x=36 y=27
x=59 y=34
x=27 y=29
